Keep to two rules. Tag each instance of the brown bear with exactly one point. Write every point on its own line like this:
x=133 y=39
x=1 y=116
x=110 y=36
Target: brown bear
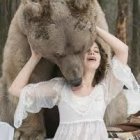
x=61 y=30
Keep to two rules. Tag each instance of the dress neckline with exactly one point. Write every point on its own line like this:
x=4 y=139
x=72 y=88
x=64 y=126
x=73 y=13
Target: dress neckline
x=72 y=99
x=83 y=97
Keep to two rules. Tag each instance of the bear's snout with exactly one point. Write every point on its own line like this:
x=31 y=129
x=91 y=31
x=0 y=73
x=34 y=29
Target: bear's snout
x=76 y=82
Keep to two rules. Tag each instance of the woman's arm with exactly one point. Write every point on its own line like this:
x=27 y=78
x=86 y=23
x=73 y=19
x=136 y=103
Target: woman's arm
x=23 y=77
x=120 y=49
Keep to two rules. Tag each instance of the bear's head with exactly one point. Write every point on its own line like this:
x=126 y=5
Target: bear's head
x=62 y=31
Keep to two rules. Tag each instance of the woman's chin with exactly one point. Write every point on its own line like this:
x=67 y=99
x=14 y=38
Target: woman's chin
x=91 y=68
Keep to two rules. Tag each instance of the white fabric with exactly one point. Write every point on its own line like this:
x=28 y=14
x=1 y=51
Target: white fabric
x=124 y=74
x=6 y=131
x=133 y=101
x=118 y=76
x=36 y=96
x=80 y=117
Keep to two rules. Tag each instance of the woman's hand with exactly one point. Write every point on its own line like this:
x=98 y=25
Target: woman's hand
x=120 y=49
x=35 y=55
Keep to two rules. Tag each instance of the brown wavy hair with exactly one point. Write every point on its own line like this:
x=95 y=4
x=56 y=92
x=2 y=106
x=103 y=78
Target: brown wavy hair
x=101 y=71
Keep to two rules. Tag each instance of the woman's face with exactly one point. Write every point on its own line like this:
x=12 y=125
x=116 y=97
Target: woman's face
x=92 y=58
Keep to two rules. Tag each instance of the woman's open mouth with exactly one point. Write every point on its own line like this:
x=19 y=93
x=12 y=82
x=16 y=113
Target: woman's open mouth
x=91 y=58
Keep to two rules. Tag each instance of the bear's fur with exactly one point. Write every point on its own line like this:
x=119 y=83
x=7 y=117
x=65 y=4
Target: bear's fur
x=61 y=31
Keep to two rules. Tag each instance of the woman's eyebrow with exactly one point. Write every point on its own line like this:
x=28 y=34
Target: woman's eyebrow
x=96 y=48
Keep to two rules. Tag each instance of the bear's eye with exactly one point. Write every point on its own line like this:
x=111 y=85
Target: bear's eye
x=77 y=52
x=59 y=55
x=81 y=50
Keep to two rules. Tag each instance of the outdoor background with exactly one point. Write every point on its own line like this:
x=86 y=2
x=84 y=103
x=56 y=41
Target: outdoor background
x=123 y=17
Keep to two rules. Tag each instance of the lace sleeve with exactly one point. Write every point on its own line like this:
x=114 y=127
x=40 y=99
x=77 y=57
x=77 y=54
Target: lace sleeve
x=118 y=76
x=33 y=97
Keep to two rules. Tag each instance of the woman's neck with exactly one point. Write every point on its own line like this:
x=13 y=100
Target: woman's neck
x=88 y=78
x=86 y=81
x=86 y=87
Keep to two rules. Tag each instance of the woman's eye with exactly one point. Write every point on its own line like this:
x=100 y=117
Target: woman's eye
x=96 y=51
x=78 y=52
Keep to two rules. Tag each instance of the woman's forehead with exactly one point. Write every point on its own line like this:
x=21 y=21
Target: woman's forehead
x=94 y=46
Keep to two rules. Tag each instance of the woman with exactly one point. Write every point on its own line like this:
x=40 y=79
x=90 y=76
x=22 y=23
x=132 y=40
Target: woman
x=81 y=108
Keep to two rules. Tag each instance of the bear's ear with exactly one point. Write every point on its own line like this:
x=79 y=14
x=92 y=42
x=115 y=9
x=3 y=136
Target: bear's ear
x=32 y=7
x=81 y=4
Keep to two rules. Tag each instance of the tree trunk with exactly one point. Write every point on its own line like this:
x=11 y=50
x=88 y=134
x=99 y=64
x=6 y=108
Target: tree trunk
x=110 y=7
x=135 y=59
x=7 y=10
x=125 y=23
x=122 y=20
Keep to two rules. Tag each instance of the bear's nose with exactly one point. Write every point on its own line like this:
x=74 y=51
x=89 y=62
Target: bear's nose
x=76 y=82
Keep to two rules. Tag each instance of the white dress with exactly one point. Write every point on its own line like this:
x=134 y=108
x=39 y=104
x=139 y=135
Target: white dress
x=81 y=118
